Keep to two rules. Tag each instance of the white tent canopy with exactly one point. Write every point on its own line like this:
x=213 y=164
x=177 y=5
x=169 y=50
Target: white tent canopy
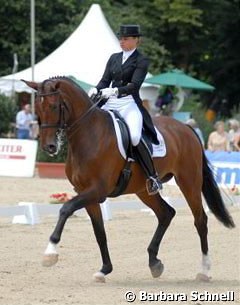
x=83 y=55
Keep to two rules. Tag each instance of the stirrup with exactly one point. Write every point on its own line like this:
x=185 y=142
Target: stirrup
x=153 y=185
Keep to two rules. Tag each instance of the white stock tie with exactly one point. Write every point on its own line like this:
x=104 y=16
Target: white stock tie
x=124 y=58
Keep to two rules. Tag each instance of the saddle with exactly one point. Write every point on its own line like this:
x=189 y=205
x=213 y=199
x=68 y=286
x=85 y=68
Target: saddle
x=126 y=139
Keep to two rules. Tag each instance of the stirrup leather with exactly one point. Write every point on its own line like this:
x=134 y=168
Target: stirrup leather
x=153 y=185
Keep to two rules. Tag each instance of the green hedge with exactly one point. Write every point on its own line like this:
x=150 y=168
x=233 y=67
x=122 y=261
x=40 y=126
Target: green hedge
x=8 y=112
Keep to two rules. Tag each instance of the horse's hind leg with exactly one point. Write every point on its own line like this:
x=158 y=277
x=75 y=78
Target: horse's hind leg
x=193 y=197
x=94 y=211
x=164 y=213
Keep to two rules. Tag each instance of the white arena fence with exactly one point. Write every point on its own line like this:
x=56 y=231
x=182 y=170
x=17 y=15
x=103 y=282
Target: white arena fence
x=31 y=213
x=226 y=167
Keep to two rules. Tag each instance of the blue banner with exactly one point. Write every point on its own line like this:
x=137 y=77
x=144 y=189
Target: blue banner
x=226 y=166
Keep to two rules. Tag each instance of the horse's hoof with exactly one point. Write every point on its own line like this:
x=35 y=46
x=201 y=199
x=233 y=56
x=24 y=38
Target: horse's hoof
x=157 y=269
x=203 y=277
x=99 y=277
x=49 y=260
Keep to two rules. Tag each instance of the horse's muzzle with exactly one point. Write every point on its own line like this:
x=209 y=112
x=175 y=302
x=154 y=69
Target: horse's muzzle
x=50 y=148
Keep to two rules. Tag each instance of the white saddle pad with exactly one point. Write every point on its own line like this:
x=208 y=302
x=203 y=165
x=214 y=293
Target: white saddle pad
x=158 y=150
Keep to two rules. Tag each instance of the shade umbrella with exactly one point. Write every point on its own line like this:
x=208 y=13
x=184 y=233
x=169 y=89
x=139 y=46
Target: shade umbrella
x=83 y=85
x=180 y=79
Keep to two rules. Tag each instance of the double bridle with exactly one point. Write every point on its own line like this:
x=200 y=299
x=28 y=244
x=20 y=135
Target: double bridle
x=62 y=124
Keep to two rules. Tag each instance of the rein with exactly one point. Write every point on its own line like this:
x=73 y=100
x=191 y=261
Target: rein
x=62 y=125
x=96 y=99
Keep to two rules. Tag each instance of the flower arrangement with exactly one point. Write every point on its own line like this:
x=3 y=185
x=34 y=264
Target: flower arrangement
x=60 y=198
x=235 y=190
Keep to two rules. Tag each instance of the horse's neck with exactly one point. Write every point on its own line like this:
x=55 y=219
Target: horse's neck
x=78 y=103
x=90 y=130
x=89 y=127
x=90 y=143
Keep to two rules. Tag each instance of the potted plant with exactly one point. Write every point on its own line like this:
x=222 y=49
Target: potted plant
x=51 y=166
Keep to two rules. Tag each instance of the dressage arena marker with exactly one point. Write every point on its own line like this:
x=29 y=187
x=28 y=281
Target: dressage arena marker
x=30 y=212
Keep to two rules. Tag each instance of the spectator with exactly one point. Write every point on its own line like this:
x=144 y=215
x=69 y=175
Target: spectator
x=218 y=139
x=164 y=101
x=24 y=121
x=193 y=124
x=233 y=134
x=236 y=142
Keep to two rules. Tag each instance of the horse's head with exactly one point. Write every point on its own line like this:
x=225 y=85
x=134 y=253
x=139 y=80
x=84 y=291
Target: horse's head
x=52 y=113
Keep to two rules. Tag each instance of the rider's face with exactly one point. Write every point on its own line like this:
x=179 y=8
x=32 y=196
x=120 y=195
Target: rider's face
x=128 y=43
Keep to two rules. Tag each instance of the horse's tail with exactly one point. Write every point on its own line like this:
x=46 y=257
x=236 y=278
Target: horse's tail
x=213 y=196
x=211 y=192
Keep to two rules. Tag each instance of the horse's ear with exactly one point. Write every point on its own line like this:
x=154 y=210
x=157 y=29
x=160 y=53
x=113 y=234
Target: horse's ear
x=33 y=85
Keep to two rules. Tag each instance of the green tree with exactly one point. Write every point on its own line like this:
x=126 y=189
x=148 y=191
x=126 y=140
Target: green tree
x=181 y=28
x=7 y=114
x=220 y=56
x=55 y=21
x=201 y=37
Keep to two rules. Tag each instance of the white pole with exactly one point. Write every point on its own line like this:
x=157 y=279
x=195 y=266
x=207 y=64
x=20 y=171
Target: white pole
x=32 y=50
x=14 y=70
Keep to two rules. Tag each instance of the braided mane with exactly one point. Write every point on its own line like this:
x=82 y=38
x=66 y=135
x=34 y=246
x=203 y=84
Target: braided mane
x=64 y=78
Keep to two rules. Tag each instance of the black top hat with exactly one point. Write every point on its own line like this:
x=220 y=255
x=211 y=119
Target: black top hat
x=129 y=30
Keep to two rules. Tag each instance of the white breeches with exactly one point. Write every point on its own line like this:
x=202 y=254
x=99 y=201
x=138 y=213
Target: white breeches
x=129 y=110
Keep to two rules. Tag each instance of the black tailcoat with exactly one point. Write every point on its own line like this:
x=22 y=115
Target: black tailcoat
x=128 y=78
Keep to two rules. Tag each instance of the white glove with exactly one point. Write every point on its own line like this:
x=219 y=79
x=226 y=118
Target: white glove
x=92 y=91
x=107 y=92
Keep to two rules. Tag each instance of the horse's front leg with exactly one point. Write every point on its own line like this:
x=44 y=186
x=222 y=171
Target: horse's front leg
x=95 y=213
x=78 y=202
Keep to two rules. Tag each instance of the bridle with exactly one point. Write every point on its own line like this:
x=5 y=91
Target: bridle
x=62 y=124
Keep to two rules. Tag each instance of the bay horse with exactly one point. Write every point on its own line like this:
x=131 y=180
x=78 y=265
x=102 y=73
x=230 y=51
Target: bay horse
x=94 y=163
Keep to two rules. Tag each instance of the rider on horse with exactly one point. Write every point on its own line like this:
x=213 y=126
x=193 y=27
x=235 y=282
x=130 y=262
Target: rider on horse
x=125 y=72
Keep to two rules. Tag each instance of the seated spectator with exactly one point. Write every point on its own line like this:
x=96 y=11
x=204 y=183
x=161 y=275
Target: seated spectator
x=164 y=101
x=218 y=140
x=193 y=124
x=233 y=134
x=236 y=142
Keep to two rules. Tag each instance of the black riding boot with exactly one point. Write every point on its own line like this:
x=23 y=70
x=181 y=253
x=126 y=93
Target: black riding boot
x=144 y=157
